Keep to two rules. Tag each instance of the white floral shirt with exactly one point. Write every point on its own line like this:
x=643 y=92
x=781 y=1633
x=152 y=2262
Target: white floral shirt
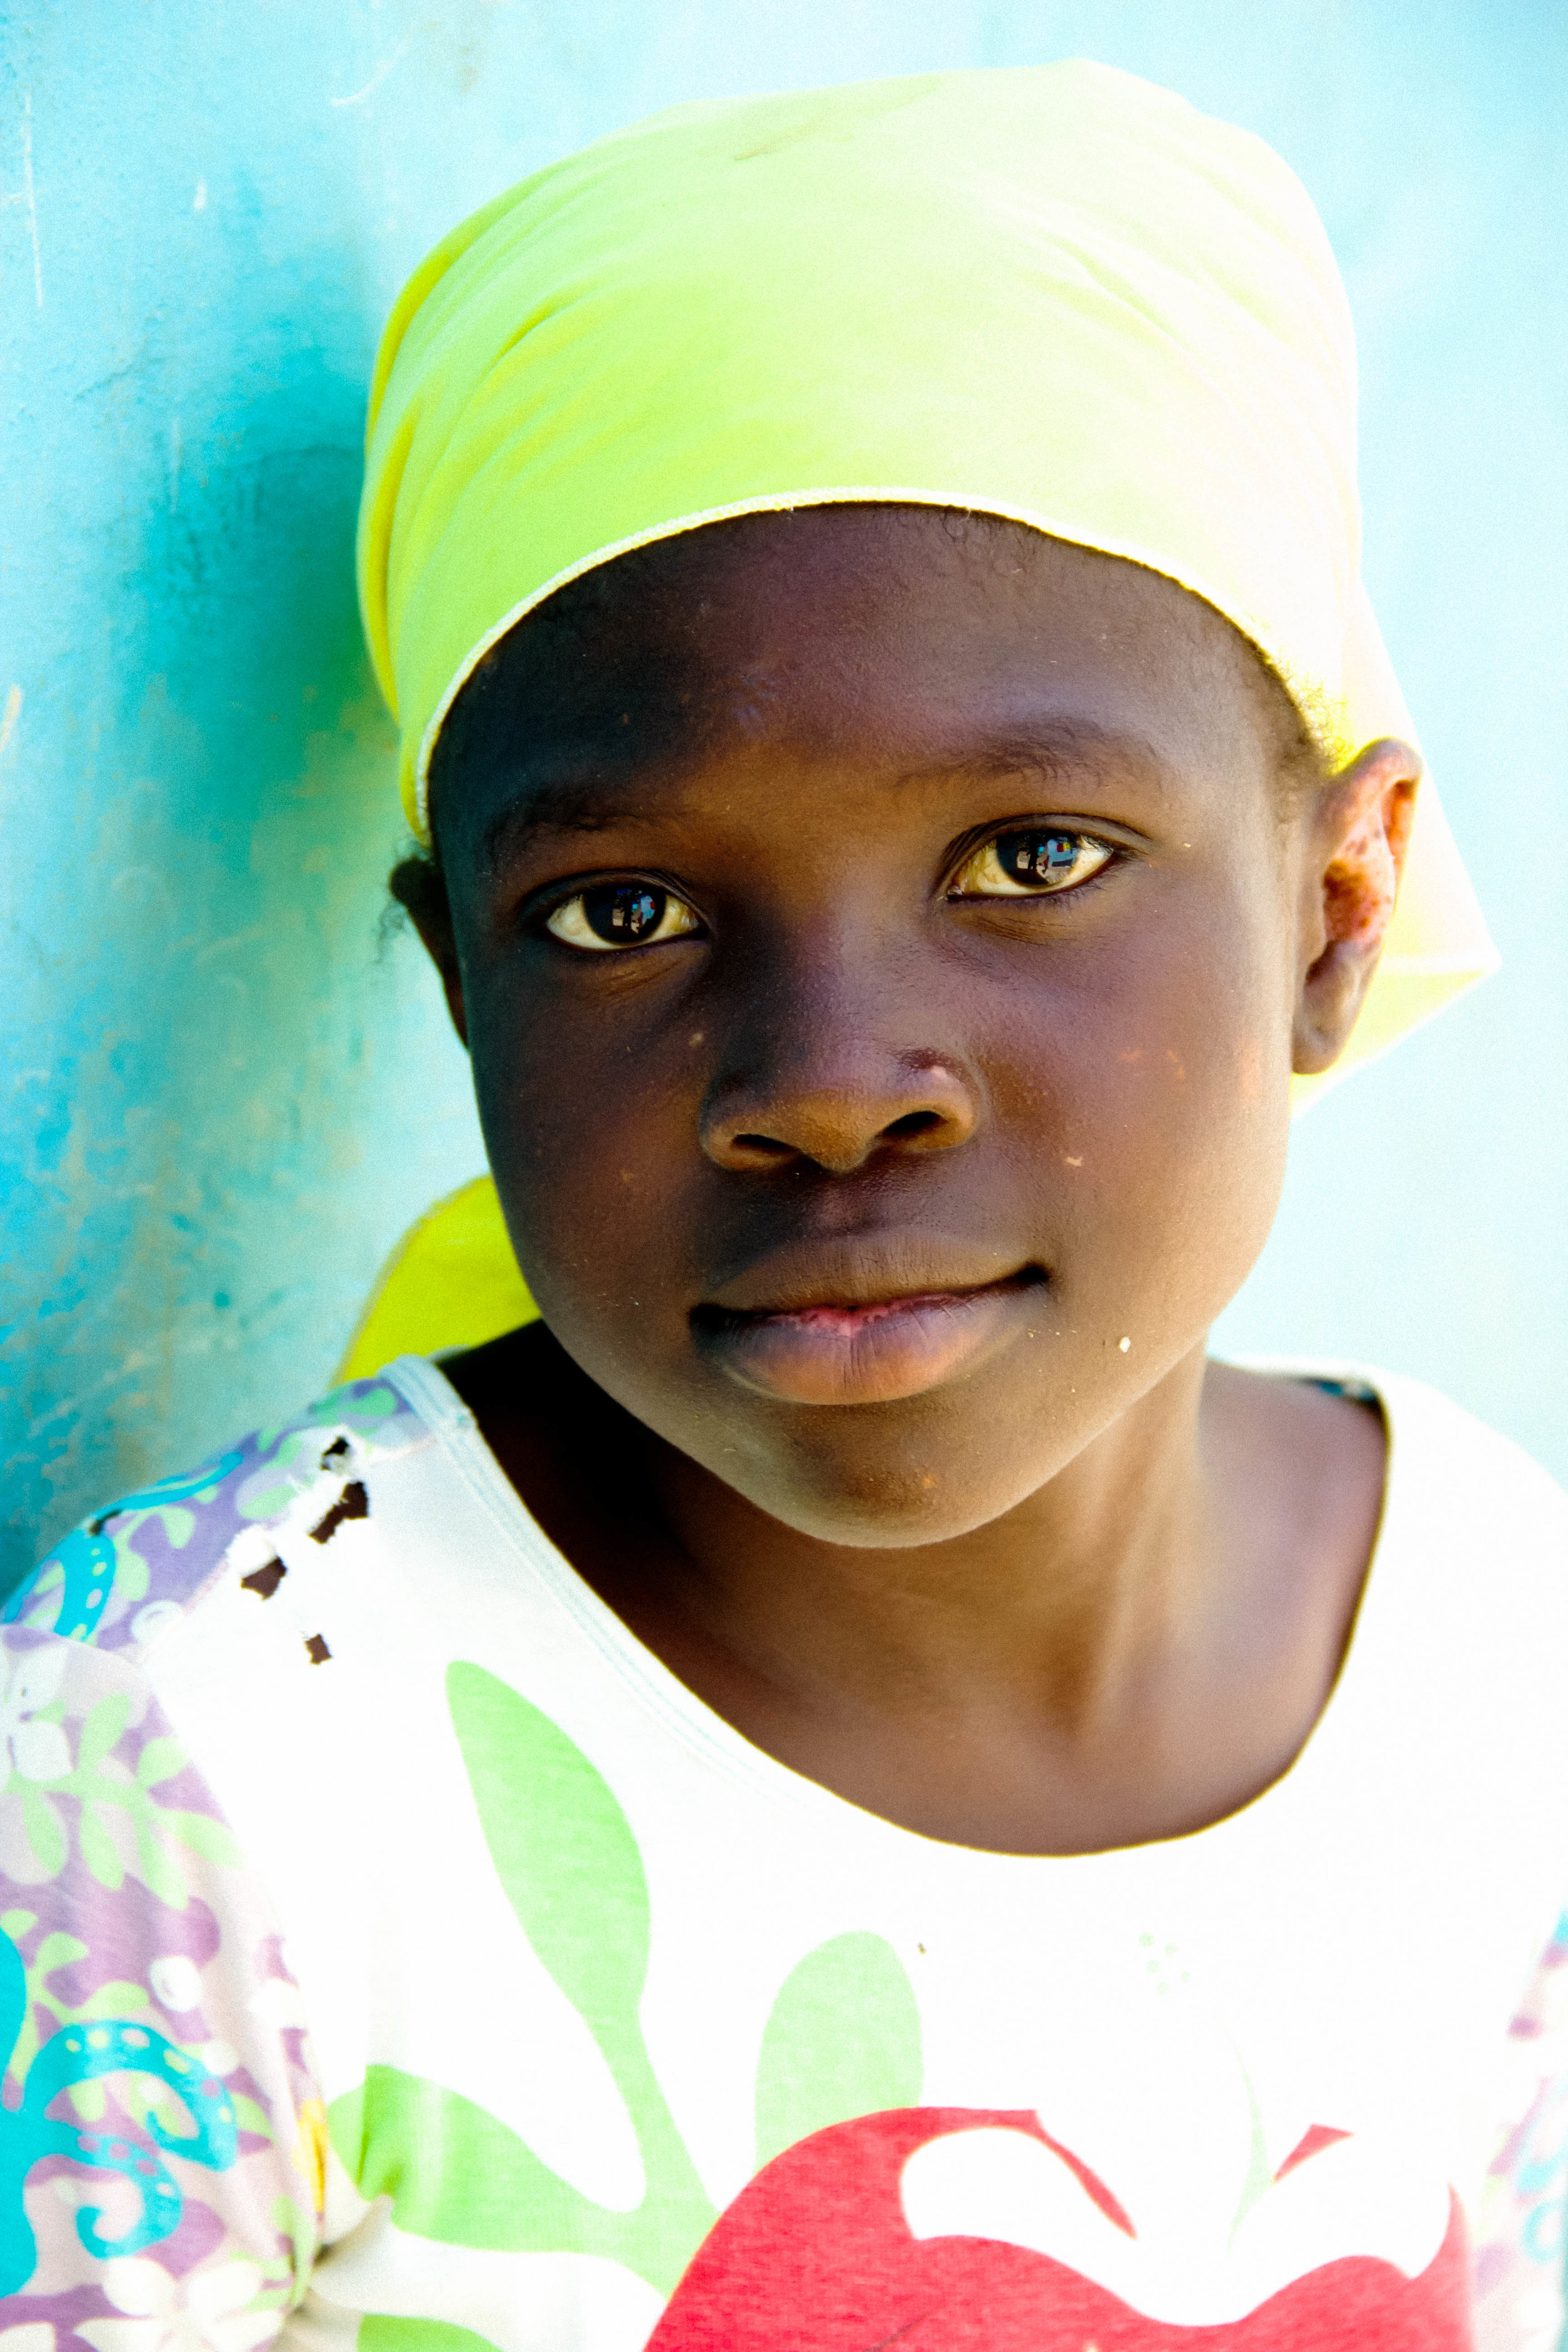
x=392 y=1952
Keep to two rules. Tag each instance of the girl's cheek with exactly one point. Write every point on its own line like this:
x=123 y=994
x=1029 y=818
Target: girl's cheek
x=592 y=1163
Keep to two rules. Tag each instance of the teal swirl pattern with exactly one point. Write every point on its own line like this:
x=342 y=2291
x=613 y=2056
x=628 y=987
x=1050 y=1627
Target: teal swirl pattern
x=29 y=2133
x=85 y=1558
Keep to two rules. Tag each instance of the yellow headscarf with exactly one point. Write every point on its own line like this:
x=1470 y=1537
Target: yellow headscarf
x=1057 y=294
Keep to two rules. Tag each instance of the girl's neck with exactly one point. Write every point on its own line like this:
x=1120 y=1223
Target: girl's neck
x=1133 y=1650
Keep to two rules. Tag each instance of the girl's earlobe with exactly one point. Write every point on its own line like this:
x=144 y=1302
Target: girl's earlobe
x=1354 y=859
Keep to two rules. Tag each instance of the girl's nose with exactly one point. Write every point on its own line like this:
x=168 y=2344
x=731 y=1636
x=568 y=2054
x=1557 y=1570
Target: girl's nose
x=838 y=1111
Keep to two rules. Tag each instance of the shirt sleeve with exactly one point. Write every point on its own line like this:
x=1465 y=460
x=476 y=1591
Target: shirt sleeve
x=163 y=2137
x=1522 y=2236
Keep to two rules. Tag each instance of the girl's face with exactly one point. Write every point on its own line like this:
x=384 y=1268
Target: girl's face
x=880 y=961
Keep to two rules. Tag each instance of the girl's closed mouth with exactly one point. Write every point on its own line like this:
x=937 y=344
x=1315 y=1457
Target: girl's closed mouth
x=866 y=1352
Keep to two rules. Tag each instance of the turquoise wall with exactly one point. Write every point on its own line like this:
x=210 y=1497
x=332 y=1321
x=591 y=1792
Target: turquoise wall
x=226 y=1092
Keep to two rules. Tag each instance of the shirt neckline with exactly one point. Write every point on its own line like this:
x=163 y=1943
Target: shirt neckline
x=1308 y=1779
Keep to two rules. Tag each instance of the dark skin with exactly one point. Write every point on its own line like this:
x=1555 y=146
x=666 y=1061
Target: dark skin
x=877 y=1201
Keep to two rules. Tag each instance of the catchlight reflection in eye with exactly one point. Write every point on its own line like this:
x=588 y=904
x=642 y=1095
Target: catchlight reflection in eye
x=621 y=914
x=1033 y=861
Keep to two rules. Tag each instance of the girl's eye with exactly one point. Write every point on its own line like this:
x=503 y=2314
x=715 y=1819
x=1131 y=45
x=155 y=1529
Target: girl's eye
x=1029 y=864
x=621 y=914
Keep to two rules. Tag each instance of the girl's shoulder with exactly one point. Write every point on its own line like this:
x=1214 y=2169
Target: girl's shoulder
x=1446 y=1464
x=1469 y=1568
x=126 y=1574
x=1462 y=1481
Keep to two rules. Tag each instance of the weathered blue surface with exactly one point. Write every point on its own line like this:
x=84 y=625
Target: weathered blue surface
x=220 y=1106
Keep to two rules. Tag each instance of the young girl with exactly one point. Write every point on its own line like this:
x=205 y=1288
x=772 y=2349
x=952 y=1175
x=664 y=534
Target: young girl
x=843 y=1788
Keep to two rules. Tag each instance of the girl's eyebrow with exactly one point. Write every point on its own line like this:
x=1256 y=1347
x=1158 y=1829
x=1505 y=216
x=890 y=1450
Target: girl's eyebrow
x=580 y=804
x=1057 y=751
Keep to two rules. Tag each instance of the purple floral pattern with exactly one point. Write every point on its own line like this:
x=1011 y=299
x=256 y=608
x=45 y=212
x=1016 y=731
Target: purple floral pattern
x=148 y=1969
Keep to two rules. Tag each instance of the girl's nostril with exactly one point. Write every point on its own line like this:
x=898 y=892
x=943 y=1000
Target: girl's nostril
x=768 y=1145
x=914 y=1122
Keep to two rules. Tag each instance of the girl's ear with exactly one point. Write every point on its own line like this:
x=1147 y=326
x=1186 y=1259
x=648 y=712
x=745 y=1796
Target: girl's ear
x=444 y=956
x=1357 y=839
x=419 y=887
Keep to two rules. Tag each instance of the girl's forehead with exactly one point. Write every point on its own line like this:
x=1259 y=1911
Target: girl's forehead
x=910 y=639
x=881 y=767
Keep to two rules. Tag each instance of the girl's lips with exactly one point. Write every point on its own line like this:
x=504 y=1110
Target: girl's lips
x=871 y=1354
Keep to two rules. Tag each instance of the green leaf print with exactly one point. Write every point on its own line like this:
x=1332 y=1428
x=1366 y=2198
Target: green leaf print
x=98 y=1851
x=102 y=1730
x=569 y=1865
x=45 y=1834
x=298 y=2228
x=560 y=1844
x=203 y=1834
x=844 y=2040
x=1259 y=2172
x=160 y=1869
x=57 y=1951
x=159 y=1761
x=103 y=1792
x=488 y=2188
x=419 y=2335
